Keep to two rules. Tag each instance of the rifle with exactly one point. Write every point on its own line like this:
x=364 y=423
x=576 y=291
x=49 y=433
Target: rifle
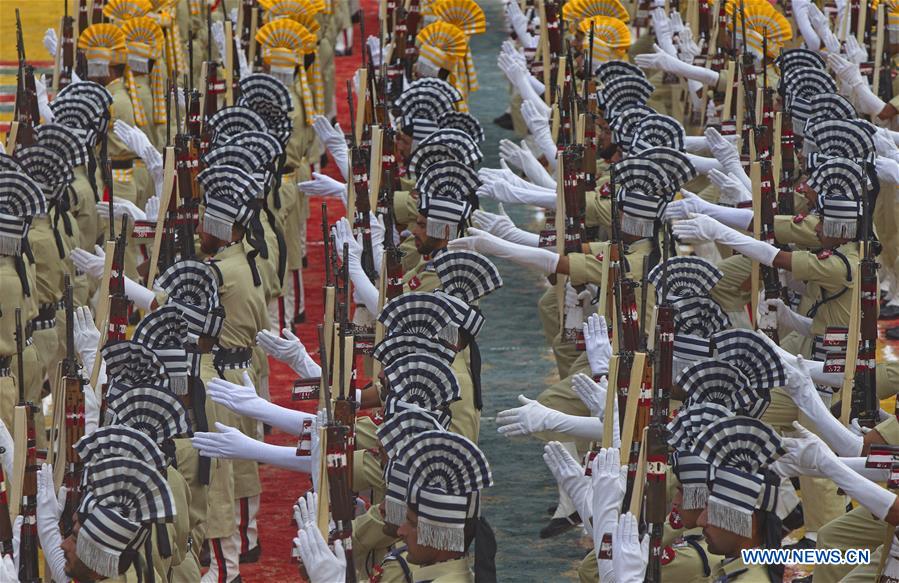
x=657 y=434
x=6 y=547
x=194 y=120
x=66 y=51
x=83 y=12
x=119 y=304
x=28 y=541
x=362 y=206
x=407 y=40
x=213 y=87
x=97 y=7
x=785 y=202
x=74 y=418
x=865 y=404
x=591 y=111
x=767 y=319
x=393 y=256
x=344 y=406
x=26 y=110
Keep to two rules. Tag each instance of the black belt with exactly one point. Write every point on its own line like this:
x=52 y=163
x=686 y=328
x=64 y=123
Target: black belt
x=5 y=362
x=287 y=170
x=121 y=164
x=232 y=358
x=46 y=317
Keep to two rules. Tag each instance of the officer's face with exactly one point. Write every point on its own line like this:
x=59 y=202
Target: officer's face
x=720 y=541
x=415 y=554
x=423 y=243
x=403 y=145
x=688 y=517
x=74 y=567
x=388 y=529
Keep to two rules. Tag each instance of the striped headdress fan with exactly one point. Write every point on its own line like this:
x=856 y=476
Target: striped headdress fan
x=467 y=275
x=49 y=170
x=164 y=331
x=684 y=276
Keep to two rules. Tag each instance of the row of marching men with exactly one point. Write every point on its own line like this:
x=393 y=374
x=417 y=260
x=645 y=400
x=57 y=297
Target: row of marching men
x=770 y=295
x=162 y=329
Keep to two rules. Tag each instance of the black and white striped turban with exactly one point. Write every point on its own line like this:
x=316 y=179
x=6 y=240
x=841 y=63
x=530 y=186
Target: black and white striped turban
x=446 y=472
x=227 y=194
x=396 y=490
x=420 y=313
x=445 y=216
x=424 y=101
x=429 y=154
x=47 y=168
x=610 y=70
x=164 y=331
x=799 y=58
x=684 y=277
x=691 y=470
x=20 y=200
x=466 y=274
x=676 y=166
x=85 y=98
x=10 y=164
x=250 y=161
x=840 y=185
x=460 y=120
x=447 y=179
x=841 y=138
x=819 y=105
x=433 y=83
x=804 y=83
x=130 y=364
x=396 y=433
x=752 y=355
x=626 y=123
x=122 y=498
x=120 y=441
x=421 y=380
x=622 y=93
x=265 y=145
x=230 y=121
x=715 y=381
x=262 y=88
x=465 y=317
x=193 y=287
x=418 y=128
x=469 y=152
x=79 y=113
x=394 y=347
x=739 y=451
x=65 y=141
x=157 y=413
x=658 y=130
x=698 y=315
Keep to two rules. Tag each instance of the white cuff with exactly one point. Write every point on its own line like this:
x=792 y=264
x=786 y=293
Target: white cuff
x=141 y=296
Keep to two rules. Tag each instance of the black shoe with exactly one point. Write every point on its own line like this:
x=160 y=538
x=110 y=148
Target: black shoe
x=888 y=313
x=252 y=555
x=504 y=121
x=557 y=526
x=892 y=333
x=551 y=509
x=803 y=543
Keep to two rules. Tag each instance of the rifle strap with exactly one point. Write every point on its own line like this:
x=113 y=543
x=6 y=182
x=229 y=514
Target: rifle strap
x=23 y=276
x=251 y=261
x=475 y=365
x=282 y=243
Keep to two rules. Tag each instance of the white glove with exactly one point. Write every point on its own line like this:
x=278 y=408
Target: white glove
x=700 y=228
x=691 y=204
x=364 y=291
x=609 y=479
x=662 y=60
x=138 y=142
x=518 y=75
x=244 y=400
x=821 y=24
x=532 y=417
x=818 y=459
x=43 y=102
x=687 y=49
x=630 y=554
x=790 y=319
x=151 y=209
x=538 y=124
x=92 y=406
x=90 y=263
x=887 y=169
x=803 y=22
x=87 y=337
x=521 y=157
x=886 y=144
x=230 y=443
x=8 y=570
x=50 y=505
x=502 y=191
x=333 y=139
x=9 y=449
x=599 y=348
x=289 y=350
x=500 y=225
x=120 y=208
x=504 y=174
x=315 y=449
x=571 y=479
x=322 y=564
x=218 y=35
x=702 y=164
x=726 y=153
x=855 y=52
x=663 y=29
x=519 y=23
x=51 y=42
x=323 y=185
x=801 y=390
x=16 y=538
x=374 y=46
x=591 y=393
x=854 y=85
x=731 y=191
x=483 y=242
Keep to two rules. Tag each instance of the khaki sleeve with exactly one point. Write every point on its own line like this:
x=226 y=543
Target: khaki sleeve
x=789 y=232
x=889 y=430
x=584 y=269
x=405 y=207
x=887 y=379
x=895 y=102
x=829 y=273
x=599 y=210
x=121 y=109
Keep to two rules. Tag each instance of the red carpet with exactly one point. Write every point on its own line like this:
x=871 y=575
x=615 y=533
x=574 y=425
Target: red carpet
x=281 y=488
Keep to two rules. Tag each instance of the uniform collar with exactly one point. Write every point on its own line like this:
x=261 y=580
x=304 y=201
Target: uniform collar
x=227 y=251
x=457 y=567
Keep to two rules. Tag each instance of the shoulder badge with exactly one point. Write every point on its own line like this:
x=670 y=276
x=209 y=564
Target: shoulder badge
x=605 y=191
x=799 y=218
x=824 y=253
x=668 y=555
x=414 y=283
x=674 y=519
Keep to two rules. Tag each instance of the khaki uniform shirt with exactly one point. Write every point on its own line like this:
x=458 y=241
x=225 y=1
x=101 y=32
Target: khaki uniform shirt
x=421 y=278
x=455 y=571
x=827 y=275
x=797 y=230
x=51 y=268
x=12 y=296
x=244 y=303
